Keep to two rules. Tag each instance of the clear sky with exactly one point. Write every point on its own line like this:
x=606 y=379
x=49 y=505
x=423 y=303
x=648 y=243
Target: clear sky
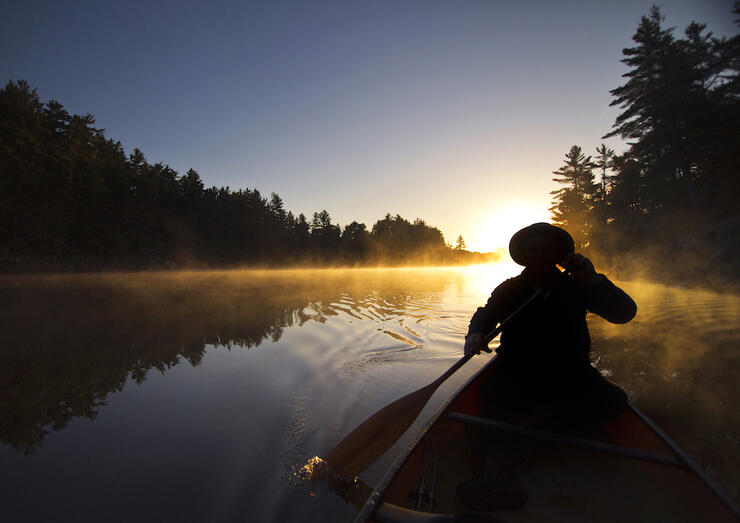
x=456 y=112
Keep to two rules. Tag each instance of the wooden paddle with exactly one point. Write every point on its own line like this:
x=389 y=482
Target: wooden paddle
x=374 y=436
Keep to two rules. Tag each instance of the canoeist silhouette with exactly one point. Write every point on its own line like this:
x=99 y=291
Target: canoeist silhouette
x=533 y=410
x=543 y=377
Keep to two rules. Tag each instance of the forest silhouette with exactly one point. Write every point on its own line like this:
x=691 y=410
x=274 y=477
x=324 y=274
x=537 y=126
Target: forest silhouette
x=674 y=194
x=71 y=198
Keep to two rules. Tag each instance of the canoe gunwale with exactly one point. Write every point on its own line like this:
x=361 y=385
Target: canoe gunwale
x=372 y=500
x=690 y=464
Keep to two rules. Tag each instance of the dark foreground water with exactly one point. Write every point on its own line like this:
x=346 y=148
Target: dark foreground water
x=194 y=396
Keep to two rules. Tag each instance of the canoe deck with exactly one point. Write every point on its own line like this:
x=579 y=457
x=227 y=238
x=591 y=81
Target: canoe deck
x=563 y=482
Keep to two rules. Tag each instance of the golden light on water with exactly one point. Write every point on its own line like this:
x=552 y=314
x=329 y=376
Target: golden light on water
x=315 y=468
x=677 y=359
x=482 y=279
x=318 y=477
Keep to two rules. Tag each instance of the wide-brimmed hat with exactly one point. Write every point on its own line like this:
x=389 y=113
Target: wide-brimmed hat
x=518 y=243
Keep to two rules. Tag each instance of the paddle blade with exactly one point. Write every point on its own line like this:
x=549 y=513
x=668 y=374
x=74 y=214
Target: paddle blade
x=374 y=436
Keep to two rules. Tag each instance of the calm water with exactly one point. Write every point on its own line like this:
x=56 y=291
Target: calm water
x=193 y=396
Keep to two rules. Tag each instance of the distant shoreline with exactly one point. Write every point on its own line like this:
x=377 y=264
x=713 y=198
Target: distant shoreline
x=19 y=266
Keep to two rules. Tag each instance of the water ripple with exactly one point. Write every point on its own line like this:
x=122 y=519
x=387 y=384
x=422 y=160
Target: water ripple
x=293 y=434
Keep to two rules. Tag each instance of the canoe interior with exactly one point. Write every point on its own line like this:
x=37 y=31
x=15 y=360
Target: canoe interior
x=564 y=483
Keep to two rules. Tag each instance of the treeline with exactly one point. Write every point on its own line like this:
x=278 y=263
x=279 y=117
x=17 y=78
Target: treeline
x=676 y=188
x=72 y=198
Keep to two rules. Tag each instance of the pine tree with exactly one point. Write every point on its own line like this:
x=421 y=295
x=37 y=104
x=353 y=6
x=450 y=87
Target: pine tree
x=603 y=162
x=601 y=203
x=324 y=234
x=20 y=156
x=460 y=244
x=573 y=205
x=277 y=209
x=657 y=106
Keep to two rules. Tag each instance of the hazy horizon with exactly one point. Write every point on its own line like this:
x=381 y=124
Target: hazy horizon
x=453 y=113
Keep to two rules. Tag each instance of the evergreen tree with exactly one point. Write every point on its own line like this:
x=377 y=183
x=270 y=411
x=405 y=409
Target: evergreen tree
x=191 y=187
x=20 y=159
x=324 y=234
x=573 y=204
x=601 y=202
x=656 y=103
x=276 y=207
x=603 y=163
x=460 y=243
x=301 y=235
x=355 y=241
x=680 y=113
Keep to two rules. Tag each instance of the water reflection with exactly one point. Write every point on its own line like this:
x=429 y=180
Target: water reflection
x=67 y=341
x=244 y=374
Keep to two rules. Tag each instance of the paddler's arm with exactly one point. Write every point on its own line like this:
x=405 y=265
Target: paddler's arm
x=484 y=321
x=602 y=297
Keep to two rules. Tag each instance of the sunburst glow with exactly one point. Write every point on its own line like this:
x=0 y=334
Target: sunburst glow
x=497 y=229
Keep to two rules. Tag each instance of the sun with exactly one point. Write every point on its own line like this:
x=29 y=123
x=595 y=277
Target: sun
x=497 y=229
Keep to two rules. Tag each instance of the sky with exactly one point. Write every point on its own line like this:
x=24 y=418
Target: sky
x=456 y=112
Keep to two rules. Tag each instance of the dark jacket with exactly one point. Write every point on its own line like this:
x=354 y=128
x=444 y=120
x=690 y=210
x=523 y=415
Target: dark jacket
x=550 y=337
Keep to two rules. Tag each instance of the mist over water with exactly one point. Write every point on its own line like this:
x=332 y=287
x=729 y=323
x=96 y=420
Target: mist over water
x=679 y=362
x=194 y=395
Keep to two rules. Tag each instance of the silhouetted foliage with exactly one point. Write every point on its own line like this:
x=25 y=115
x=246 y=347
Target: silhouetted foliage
x=72 y=198
x=395 y=238
x=356 y=241
x=681 y=118
x=680 y=112
x=573 y=204
x=460 y=243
